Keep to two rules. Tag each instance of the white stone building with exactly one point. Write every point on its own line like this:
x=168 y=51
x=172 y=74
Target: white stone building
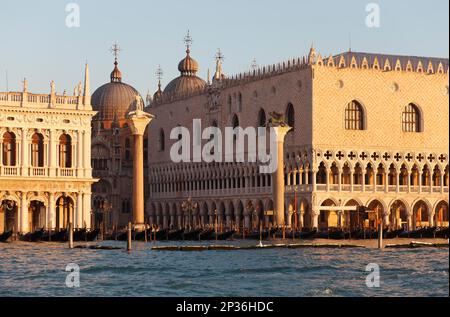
x=45 y=159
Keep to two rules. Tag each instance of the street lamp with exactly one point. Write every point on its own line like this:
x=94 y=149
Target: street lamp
x=189 y=206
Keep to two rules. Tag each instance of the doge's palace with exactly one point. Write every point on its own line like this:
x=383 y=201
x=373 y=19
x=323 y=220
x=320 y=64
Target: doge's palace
x=45 y=166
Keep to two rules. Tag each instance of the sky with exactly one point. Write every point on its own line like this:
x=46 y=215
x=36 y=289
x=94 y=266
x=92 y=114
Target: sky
x=35 y=42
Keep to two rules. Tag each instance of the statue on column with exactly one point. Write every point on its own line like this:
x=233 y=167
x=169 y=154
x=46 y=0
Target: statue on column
x=25 y=85
x=52 y=87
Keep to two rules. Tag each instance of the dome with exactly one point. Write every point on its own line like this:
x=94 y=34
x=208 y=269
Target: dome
x=115 y=99
x=188 y=81
x=188 y=65
x=185 y=84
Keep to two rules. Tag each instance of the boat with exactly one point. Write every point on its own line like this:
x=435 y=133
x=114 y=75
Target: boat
x=419 y=233
x=175 y=235
x=266 y=234
x=139 y=235
x=223 y=236
x=394 y=234
x=160 y=235
x=206 y=235
x=33 y=236
x=79 y=235
x=5 y=236
x=349 y=235
x=305 y=235
x=193 y=235
x=442 y=233
x=91 y=235
x=58 y=236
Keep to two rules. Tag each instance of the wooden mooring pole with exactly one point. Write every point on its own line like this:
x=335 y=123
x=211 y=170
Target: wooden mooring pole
x=129 y=237
x=380 y=235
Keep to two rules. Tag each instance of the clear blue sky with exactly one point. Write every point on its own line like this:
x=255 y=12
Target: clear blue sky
x=35 y=42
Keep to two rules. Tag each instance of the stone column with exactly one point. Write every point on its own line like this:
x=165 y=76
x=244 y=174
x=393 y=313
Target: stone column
x=315 y=219
x=87 y=211
x=79 y=212
x=25 y=158
x=52 y=155
x=87 y=154
x=410 y=222
x=431 y=216
x=24 y=225
x=278 y=176
x=79 y=153
x=51 y=216
x=138 y=121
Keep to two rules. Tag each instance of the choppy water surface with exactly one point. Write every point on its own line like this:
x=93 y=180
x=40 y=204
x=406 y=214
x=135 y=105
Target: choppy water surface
x=39 y=270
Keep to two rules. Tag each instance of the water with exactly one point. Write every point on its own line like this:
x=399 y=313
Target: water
x=39 y=270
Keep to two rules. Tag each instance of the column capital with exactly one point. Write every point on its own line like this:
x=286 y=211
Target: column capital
x=138 y=121
x=280 y=132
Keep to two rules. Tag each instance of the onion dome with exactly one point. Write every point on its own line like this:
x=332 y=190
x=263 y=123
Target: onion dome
x=114 y=100
x=188 y=81
x=116 y=74
x=158 y=94
x=188 y=65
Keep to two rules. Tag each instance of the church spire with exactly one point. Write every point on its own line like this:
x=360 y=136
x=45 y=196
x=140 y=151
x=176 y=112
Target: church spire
x=219 y=60
x=116 y=75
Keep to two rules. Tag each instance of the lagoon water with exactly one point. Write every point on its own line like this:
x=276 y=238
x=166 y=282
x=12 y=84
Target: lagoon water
x=39 y=270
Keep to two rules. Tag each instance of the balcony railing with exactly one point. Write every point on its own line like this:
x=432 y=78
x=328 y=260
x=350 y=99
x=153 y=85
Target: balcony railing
x=9 y=171
x=41 y=172
x=37 y=171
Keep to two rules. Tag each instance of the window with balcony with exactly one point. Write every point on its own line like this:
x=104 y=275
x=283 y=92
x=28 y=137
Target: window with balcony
x=37 y=150
x=65 y=151
x=9 y=149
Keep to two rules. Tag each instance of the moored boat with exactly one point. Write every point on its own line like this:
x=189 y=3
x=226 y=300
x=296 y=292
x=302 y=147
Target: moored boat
x=206 y=235
x=33 y=236
x=442 y=233
x=192 y=235
x=224 y=236
x=91 y=235
x=5 y=236
x=175 y=235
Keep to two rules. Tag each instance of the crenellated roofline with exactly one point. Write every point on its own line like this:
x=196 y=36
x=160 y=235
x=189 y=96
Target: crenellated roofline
x=351 y=60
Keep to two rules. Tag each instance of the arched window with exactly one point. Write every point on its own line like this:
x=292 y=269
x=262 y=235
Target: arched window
x=354 y=116
x=37 y=150
x=230 y=104
x=290 y=115
x=262 y=120
x=239 y=109
x=411 y=119
x=235 y=123
x=162 y=140
x=65 y=151
x=9 y=149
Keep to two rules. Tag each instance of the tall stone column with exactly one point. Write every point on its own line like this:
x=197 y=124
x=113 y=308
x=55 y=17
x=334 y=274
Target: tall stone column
x=87 y=222
x=315 y=219
x=79 y=212
x=25 y=155
x=278 y=176
x=51 y=215
x=138 y=121
x=24 y=225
